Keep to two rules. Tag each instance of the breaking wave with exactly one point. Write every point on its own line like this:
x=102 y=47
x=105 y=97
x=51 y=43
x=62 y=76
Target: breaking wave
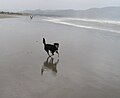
x=105 y=23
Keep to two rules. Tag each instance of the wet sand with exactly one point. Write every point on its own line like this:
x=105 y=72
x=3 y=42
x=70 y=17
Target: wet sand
x=88 y=65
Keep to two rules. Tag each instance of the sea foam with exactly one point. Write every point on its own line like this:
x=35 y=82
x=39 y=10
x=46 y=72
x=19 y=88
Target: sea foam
x=62 y=21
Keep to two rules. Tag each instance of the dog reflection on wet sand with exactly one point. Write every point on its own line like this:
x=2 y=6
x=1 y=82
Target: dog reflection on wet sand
x=49 y=64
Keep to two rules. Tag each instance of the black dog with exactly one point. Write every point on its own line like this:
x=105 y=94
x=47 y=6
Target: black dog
x=52 y=48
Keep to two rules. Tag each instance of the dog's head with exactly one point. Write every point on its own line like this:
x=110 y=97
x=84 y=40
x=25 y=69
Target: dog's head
x=56 y=45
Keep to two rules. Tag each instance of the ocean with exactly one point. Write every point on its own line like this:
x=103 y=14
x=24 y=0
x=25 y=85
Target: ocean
x=105 y=25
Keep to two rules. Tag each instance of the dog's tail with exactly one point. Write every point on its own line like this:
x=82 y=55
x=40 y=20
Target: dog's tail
x=44 y=41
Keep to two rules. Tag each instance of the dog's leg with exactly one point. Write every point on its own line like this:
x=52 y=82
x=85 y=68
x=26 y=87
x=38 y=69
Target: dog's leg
x=52 y=53
x=48 y=53
x=57 y=52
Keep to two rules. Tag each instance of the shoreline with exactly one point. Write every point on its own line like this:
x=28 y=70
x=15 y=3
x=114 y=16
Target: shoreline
x=2 y=16
x=5 y=16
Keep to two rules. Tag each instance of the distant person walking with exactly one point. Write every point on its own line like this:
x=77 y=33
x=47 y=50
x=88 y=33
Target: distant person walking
x=31 y=17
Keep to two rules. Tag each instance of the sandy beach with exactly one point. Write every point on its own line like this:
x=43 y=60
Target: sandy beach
x=88 y=65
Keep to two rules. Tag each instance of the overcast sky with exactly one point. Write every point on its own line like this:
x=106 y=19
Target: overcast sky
x=18 y=5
